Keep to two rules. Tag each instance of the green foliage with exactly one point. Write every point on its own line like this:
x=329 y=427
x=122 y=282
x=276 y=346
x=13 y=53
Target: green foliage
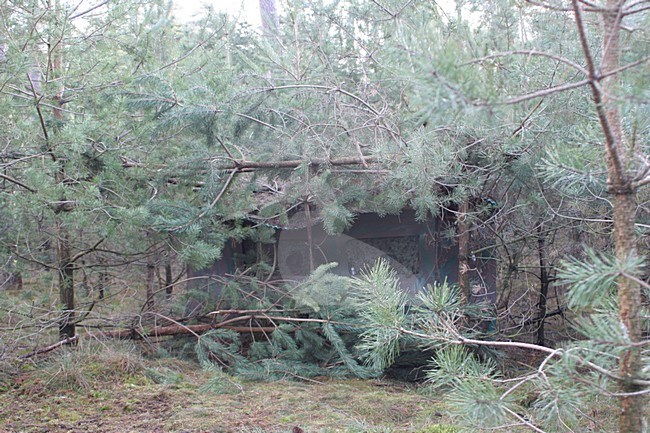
x=163 y=375
x=439 y=428
x=558 y=404
x=222 y=344
x=323 y=293
x=452 y=365
x=576 y=170
x=321 y=345
x=593 y=281
x=480 y=404
x=480 y=396
x=220 y=383
x=382 y=308
x=156 y=114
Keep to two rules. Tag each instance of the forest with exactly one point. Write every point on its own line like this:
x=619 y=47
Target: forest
x=357 y=216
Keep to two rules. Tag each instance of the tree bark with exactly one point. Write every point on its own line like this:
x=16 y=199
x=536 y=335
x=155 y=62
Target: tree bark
x=103 y=281
x=632 y=418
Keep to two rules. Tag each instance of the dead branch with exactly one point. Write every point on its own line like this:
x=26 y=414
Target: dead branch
x=170 y=330
x=17 y=182
x=351 y=160
x=51 y=347
x=180 y=329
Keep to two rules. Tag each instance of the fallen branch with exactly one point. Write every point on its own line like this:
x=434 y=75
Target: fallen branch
x=69 y=340
x=165 y=331
x=180 y=329
x=196 y=330
x=352 y=160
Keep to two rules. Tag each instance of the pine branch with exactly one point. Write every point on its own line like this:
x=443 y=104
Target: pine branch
x=560 y=59
x=459 y=339
x=214 y=202
x=17 y=182
x=546 y=92
x=352 y=160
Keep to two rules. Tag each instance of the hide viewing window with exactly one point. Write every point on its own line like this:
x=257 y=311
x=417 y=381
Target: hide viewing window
x=401 y=252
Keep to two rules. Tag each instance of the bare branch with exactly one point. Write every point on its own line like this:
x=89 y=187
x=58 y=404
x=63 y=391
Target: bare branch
x=592 y=7
x=560 y=59
x=546 y=92
x=38 y=108
x=88 y=251
x=298 y=162
x=636 y=7
x=460 y=340
x=624 y=68
x=80 y=14
x=69 y=340
x=17 y=182
x=326 y=89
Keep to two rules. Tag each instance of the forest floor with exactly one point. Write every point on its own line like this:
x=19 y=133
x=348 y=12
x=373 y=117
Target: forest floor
x=179 y=397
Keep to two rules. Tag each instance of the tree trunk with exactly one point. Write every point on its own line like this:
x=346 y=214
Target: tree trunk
x=65 y=266
x=632 y=417
x=310 y=238
x=463 y=251
x=169 y=278
x=103 y=283
x=544 y=284
x=151 y=282
x=65 y=282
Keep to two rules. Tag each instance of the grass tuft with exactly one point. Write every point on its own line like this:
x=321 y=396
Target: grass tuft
x=88 y=366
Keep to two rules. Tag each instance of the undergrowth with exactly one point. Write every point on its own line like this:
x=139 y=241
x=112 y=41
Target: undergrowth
x=89 y=365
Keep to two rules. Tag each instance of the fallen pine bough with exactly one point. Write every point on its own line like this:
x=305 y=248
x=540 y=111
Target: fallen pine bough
x=177 y=328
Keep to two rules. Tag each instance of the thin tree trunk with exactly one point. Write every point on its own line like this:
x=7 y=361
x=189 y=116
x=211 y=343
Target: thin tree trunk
x=463 y=251
x=169 y=278
x=544 y=285
x=65 y=281
x=310 y=239
x=65 y=266
x=151 y=283
x=632 y=418
x=103 y=283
